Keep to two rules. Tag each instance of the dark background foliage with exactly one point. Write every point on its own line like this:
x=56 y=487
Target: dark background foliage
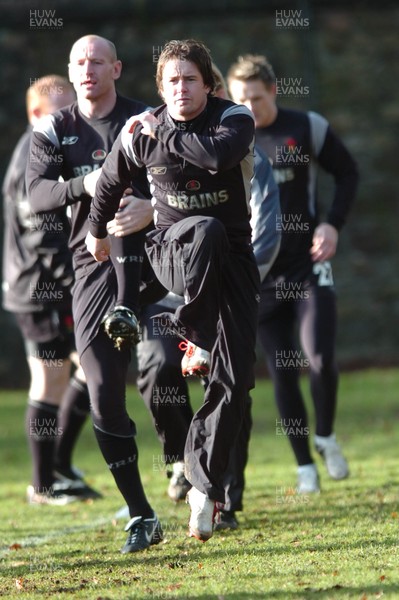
x=346 y=54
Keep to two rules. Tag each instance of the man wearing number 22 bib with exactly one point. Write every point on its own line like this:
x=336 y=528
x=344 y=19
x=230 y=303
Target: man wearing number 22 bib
x=297 y=296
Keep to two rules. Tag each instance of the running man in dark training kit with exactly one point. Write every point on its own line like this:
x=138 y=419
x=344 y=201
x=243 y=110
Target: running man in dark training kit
x=160 y=379
x=80 y=136
x=198 y=152
x=299 y=292
x=37 y=281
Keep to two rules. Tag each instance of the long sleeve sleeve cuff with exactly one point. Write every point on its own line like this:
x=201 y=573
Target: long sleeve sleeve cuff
x=97 y=230
x=335 y=221
x=77 y=189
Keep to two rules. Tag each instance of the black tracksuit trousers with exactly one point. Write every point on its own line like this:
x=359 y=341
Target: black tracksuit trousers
x=220 y=284
x=166 y=394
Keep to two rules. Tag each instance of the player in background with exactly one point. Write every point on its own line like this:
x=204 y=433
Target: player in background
x=298 y=293
x=37 y=280
x=81 y=136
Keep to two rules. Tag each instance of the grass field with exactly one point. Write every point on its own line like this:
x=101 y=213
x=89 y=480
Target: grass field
x=343 y=543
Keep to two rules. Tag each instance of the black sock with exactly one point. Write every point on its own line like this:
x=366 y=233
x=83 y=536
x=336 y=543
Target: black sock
x=42 y=431
x=121 y=456
x=72 y=415
x=127 y=259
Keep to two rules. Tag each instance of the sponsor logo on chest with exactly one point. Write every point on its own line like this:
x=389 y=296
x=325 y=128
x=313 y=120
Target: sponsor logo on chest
x=185 y=201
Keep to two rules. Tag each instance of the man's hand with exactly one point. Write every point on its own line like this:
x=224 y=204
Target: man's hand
x=325 y=240
x=99 y=248
x=148 y=121
x=90 y=180
x=134 y=214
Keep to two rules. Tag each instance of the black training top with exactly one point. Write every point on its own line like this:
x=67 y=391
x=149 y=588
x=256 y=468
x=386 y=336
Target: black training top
x=37 y=265
x=296 y=142
x=69 y=145
x=200 y=167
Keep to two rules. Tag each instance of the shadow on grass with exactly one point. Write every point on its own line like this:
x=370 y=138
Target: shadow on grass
x=191 y=552
x=144 y=569
x=334 y=592
x=328 y=593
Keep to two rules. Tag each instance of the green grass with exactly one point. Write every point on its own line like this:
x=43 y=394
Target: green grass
x=343 y=543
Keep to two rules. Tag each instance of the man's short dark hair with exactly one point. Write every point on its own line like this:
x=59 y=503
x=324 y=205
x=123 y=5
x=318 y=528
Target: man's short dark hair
x=191 y=50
